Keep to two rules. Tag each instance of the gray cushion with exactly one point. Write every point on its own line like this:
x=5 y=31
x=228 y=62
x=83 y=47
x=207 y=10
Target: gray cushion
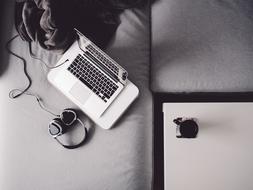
x=201 y=46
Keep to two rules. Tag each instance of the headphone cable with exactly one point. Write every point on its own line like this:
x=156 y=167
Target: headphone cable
x=37 y=58
x=37 y=98
x=12 y=95
x=15 y=93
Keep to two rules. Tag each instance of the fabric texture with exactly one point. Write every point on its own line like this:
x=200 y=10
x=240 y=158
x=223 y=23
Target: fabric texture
x=202 y=46
x=51 y=22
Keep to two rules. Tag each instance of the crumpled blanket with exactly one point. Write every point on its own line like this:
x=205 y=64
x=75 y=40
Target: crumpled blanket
x=51 y=22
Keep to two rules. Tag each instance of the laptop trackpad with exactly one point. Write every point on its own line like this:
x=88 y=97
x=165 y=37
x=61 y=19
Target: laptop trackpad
x=80 y=93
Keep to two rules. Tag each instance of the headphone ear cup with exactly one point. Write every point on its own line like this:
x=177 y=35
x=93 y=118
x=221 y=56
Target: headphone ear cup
x=68 y=116
x=69 y=109
x=56 y=127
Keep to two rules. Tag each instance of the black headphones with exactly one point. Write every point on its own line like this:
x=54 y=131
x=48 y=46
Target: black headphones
x=60 y=125
x=63 y=122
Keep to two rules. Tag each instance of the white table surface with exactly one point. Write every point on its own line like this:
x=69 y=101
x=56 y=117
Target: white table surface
x=220 y=157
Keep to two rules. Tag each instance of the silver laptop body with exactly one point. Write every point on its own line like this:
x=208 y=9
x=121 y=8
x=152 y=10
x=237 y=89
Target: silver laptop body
x=94 y=82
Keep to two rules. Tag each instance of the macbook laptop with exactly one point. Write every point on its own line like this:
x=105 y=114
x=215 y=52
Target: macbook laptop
x=94 y=82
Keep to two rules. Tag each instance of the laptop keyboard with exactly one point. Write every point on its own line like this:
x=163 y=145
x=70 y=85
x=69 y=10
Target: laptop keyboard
x=93 y=78
x=103 y=59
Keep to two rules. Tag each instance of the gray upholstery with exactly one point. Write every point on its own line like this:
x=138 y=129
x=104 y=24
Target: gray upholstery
x=120 y=158
x=202 y=46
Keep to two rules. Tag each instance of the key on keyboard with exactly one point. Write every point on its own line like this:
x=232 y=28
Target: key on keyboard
x=93 y=78
x=103 y=59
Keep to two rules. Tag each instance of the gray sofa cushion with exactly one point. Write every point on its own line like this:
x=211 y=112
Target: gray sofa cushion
x=202 y=46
